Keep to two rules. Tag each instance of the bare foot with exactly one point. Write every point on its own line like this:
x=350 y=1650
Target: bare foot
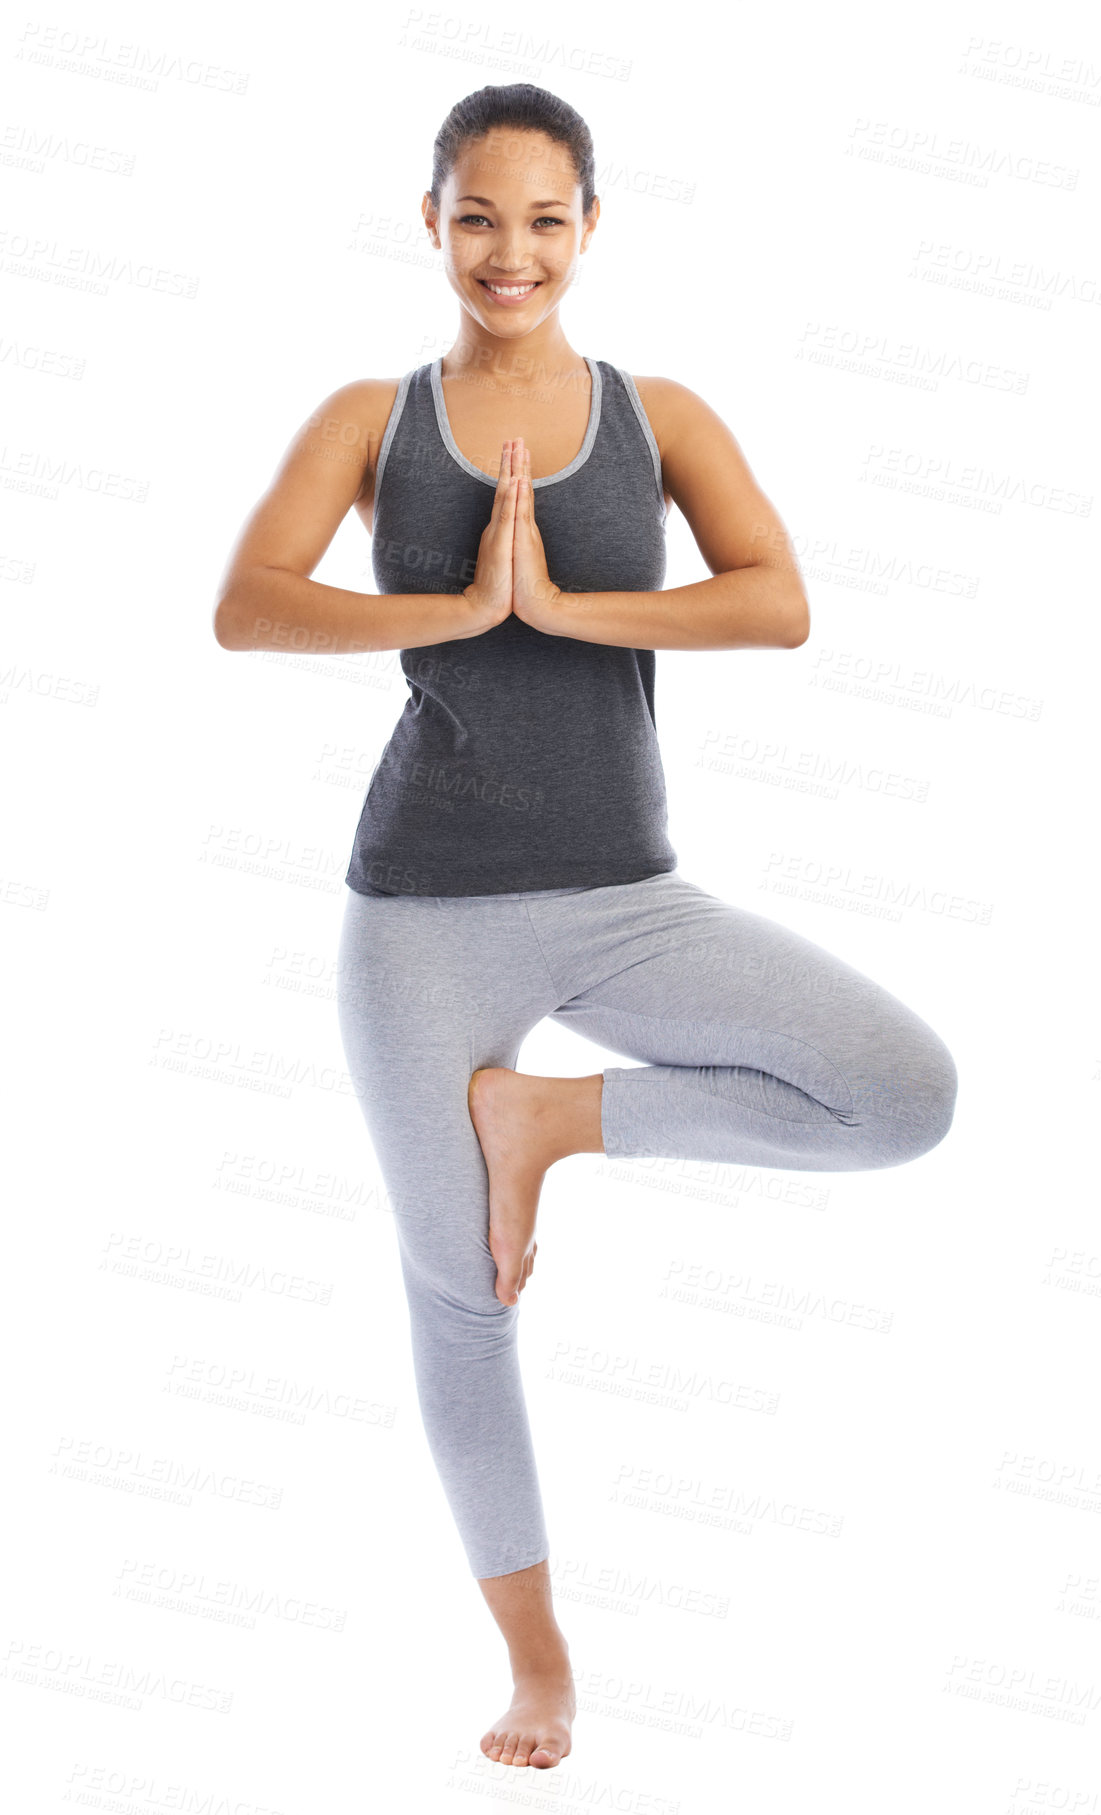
x=504 y=1107
x=535 y=1728
x=524 y=1124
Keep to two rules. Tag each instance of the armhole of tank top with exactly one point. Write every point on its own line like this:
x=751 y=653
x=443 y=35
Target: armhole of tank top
x=631 y=389
x=388 y=435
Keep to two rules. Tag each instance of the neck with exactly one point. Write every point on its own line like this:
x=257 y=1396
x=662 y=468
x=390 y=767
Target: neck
x=530 y=360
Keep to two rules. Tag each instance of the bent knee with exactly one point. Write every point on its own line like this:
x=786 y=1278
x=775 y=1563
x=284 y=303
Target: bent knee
x=937 y=1084
x=934 y=1101
x=906 y=1109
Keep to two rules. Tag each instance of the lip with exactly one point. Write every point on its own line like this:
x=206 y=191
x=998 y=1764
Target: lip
x=508 y=302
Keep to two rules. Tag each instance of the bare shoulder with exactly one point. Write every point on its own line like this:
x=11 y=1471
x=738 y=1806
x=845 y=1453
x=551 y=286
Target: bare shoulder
x=706 y=471
x=327 y=467
x=368 y=396
x=354 y=416
x=674 y=410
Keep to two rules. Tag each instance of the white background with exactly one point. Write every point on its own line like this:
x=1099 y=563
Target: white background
x=868 y=239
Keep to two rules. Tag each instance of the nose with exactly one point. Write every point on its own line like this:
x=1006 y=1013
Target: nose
x=510 y=258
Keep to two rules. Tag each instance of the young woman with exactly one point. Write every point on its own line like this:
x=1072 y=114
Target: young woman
x=511 y=860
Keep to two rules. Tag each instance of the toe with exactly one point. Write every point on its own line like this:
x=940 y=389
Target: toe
x=510 y=1747
x=544 y=1755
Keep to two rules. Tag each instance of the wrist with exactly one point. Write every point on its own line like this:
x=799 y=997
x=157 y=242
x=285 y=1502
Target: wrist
x=556 y=613
x=482 y=618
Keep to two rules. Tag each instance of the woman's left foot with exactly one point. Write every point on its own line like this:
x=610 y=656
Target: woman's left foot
x=520 y=1126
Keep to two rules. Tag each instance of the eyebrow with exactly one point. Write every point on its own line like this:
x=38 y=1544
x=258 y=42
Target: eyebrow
x=485 y=201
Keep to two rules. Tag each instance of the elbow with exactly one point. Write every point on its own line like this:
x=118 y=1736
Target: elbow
x=235 y=620
x=797 y=624
x=224 y=625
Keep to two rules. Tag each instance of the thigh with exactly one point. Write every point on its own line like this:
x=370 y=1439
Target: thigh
x=688 y=979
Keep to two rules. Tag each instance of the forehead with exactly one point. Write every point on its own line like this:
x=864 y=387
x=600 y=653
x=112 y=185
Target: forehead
x=509 y=161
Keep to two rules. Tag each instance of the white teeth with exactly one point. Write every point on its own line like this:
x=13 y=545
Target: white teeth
x=510 y=289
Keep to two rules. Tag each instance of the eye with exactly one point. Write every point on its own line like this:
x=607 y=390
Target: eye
x=552 y=218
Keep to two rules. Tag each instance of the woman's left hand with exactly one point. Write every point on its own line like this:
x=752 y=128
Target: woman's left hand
x=534 y=593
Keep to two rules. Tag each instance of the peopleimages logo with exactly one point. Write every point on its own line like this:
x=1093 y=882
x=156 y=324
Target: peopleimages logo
x=445 y=785
x=865 y=891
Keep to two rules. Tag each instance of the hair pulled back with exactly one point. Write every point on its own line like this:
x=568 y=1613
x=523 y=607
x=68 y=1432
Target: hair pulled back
x=526 y=108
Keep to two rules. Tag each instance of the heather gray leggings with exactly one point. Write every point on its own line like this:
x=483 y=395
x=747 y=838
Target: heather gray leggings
x=758 y=1047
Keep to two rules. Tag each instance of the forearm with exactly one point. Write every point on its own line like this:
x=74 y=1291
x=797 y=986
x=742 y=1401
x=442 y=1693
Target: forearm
x=758 y=607
x=273 y=608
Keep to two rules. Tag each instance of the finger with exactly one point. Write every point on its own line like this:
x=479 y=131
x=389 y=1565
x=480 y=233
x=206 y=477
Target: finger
x=514 y=470
x=518 y=493
x=508 y=501
x=505 y=471
x=504 y=481
x=506 y=528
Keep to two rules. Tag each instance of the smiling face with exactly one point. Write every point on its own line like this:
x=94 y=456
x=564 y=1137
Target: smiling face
x=511 y=228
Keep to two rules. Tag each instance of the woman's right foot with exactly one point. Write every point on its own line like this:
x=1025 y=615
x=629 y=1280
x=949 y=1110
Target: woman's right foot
x=509 y=1112
x=524 y=1124
x=535 y=1728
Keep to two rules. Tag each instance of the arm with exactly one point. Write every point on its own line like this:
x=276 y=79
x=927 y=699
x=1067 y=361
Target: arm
x=755 y=598
x=266 y=599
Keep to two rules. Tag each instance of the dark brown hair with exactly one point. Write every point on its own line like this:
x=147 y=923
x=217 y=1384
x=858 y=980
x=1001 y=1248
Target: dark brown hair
x=520 y=105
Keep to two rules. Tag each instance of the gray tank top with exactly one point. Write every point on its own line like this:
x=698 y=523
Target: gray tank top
x=520 y=760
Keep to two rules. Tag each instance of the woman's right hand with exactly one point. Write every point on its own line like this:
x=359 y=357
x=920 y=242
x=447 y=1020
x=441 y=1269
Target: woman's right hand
x=490 y=591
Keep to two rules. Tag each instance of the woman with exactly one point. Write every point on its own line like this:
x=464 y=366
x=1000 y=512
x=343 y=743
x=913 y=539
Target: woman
x=511 y=859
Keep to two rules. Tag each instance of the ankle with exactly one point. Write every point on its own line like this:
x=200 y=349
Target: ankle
x=576 y=1116
x=551 y=1657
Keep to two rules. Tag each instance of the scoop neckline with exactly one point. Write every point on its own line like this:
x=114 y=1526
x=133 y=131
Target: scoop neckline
x=468 y=466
